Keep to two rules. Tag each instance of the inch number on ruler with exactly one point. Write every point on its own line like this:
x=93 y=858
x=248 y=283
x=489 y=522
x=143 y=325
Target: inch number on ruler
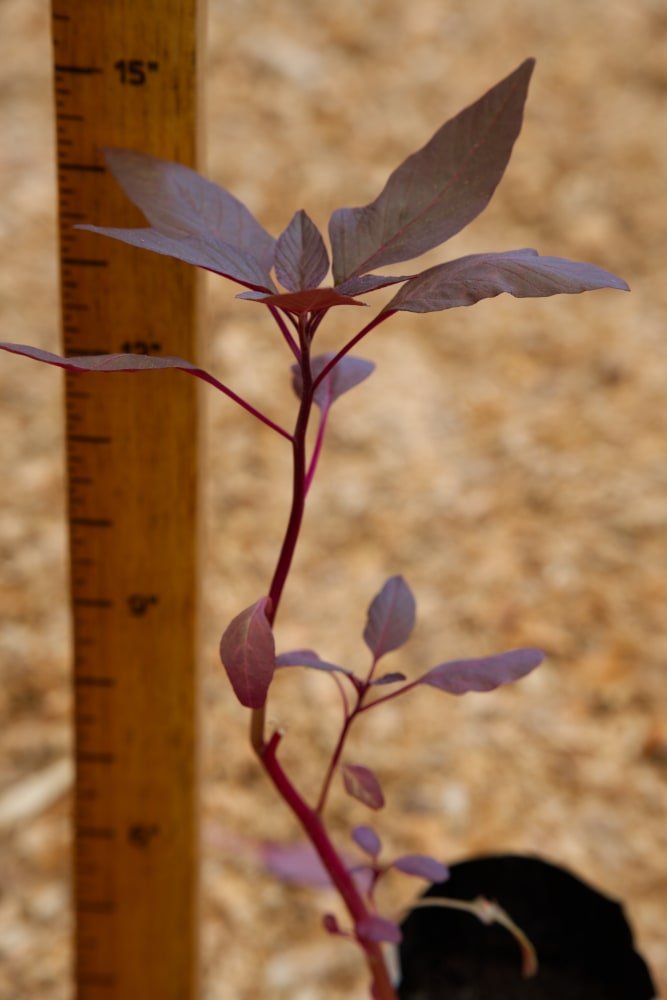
x=135 y=72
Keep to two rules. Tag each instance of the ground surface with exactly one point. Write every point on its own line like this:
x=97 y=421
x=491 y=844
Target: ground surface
x=520 y=486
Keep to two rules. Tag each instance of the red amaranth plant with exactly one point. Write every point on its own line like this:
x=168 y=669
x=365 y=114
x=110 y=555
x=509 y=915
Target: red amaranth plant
x=430 y=197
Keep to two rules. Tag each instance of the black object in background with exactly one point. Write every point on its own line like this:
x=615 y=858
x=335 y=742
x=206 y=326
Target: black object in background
x=584 y=944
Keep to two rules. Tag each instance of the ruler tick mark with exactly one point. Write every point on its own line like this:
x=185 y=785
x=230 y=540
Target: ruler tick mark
x=95 y=757
x=85 y=262
x=83 y=70
x=93 y=168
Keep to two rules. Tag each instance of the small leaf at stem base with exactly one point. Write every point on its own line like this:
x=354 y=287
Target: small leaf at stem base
x=422 y=866
x=362 y=784
x=367 y=839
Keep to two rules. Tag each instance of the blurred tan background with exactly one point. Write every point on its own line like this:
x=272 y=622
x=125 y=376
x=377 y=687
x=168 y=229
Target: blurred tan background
x=507 y=459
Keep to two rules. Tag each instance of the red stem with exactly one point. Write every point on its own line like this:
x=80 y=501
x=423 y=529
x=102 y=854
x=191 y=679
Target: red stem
x=380 y=318
x=335 y=757
x=309 y=818
x=340 y=876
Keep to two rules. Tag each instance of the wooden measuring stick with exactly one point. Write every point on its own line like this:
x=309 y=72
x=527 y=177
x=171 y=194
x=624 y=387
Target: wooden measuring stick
x=126 y=75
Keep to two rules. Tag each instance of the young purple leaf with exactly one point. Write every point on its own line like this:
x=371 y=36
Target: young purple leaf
x=484 y=673
x=331 y=925
x=248 y=654
x=344 y=376
x=367 y=839
x=191 y=219
x=308 y=658
x=298 y=303
x=362 y=784
x=391 y=678
x=301 y=258
x=421 y=866
x=374 y=928
x=391 y=617
x=436 y=191
x=299 y=864
x=522 y=273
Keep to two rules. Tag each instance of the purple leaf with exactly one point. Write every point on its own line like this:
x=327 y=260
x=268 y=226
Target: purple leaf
x=374 y=928
x=361 y=784
x=391 y=617
x=248 y=654
x=308 y=658
x=367 y=839
x=217 y=256
x=106 y=362
x=310 y=300
x=522 y=273
x=191 y=218
x=101 y=363
x=299 y=864
x=391 y=678
x=436 y=191
x=484 y=673
x=345 y=375
x=301 y=257
x=422 y=866
x=370 y=283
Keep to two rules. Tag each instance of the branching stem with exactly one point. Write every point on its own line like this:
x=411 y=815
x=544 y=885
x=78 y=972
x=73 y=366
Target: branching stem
x=309 y=818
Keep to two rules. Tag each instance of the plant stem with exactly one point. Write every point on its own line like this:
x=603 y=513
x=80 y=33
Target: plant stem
x=333 y=763
x=309 y=818
x=207 y=377
x=291 y=343
x=319 y=441
x=380 y=318
x=298 y=487
x=340 y=876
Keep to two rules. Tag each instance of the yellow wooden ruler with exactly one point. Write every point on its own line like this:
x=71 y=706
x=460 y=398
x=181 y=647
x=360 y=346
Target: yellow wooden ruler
x=125 y=75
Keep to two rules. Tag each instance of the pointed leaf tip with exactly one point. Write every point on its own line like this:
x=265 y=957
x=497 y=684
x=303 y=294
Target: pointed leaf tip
x=301 y=258
x=191 y=219
x=391 y=617
x=484 y=673
x=178 y=201
x=438 y=190
x=521 y=273
x=247 y=651
x=361 y=783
